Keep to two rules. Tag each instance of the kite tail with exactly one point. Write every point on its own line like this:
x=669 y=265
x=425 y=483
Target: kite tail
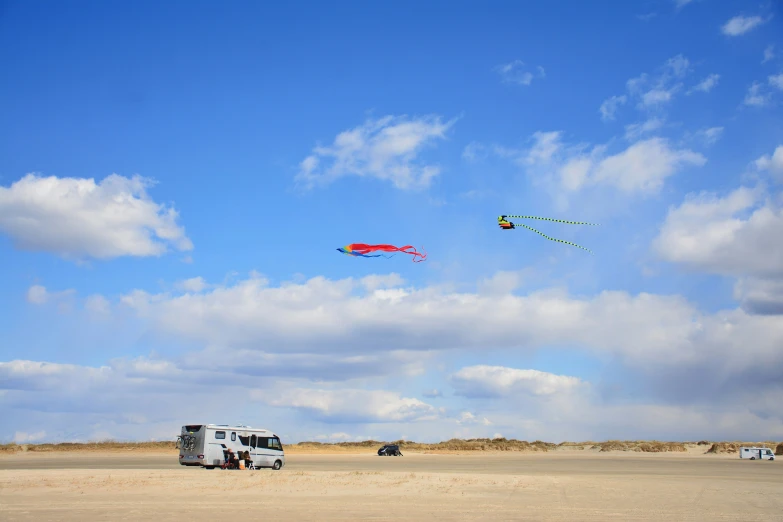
x=408 y=249
x=555 y=220
x=553 y=239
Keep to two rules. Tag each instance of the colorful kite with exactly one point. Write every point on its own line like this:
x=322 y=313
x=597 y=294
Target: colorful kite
x=508 y=225
x=363 y=250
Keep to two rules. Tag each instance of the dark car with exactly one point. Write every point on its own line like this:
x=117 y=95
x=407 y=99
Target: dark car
x=390 y=450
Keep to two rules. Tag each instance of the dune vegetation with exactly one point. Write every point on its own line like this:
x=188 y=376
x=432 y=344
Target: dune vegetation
x=452 y=445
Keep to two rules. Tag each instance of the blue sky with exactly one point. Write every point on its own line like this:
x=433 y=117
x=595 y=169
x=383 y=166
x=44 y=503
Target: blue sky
x=175 y=179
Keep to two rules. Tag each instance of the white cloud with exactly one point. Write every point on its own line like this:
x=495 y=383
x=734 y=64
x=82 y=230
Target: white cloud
x=433 y=393
x=682 y=3
x=741 y=24
x=756 y=97
x=319 y=327
x=386 y=149
x=515 y=72
x=777 y=81
x=760 y=295
x=78 y=218
x=97 y=304
x=467 y=417
x=634 y=131
x=642 y=167
x=262 y=342
x=769 y=53
x=707 y=84
x=610 y=106
x=772 y=163
x=194 y=284
x=654 y=91
x=708 y=136
x=37 y=294
x=731 y=235
x=21 y=437
x=499 y=381
x=474 y=151
x=353 y=405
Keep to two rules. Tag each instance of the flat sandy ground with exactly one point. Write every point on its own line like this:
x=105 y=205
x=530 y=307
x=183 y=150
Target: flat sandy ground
x=564 y=485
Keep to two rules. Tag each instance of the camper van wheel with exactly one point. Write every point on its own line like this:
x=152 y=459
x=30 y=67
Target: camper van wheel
x=209 y=467
x=753 y=458
x=277 y=465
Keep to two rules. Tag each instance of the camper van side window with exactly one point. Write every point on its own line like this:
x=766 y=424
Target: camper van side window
x=233 y=435
x=262 y=443
x=274 y=443
x=244 y=440
x=253 y=441
x=220 y=434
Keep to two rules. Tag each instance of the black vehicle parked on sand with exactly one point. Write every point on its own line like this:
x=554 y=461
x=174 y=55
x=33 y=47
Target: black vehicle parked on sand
x=390 y=450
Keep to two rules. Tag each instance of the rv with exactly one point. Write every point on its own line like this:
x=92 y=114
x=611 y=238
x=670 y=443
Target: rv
x=756 y=453
x=204 y=445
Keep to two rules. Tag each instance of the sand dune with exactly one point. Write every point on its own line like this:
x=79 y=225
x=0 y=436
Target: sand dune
x=453 y=446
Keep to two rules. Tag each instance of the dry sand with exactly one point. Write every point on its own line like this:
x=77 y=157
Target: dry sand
x=558 y=485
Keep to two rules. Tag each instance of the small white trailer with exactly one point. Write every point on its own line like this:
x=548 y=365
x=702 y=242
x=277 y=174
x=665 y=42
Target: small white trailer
x=206 y=444
x=756 y=453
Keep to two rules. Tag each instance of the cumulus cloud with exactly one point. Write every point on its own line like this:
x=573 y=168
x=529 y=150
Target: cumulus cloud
x=467 y=417
x=634 y=131
x=740 y=25
x=776 y=81
x=21 y=437
x=79 y=218
x=516 y=72
x=706 y=85
x=653 y=91
x=39 y=295
x=301 y=348
x=610 y=106
x=499 y=381
x=385 y=149
x=772 y=163
x=194 y=284
x=313 y=327
x=474 y=151
x=769 y=54
x=97 y=304
x=710 y=136
x=731 y=235
x=353 y=405
x=757 y=96
x=641 y=168
x=759 y=295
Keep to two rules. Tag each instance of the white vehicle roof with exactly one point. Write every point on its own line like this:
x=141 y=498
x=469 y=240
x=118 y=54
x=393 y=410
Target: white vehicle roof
x=233 y=427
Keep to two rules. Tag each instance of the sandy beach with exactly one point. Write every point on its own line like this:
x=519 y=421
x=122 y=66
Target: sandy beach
x=562 y=485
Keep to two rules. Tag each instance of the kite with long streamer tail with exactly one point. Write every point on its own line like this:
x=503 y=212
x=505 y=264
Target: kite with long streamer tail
x=508 y=225
x=363 y=250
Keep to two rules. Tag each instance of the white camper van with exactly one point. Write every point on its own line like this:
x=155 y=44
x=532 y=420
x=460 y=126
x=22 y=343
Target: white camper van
x=204 y=445
x=756 y=453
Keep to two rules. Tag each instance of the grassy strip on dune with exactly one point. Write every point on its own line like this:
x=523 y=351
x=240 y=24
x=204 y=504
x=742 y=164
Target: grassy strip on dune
x=500 y=444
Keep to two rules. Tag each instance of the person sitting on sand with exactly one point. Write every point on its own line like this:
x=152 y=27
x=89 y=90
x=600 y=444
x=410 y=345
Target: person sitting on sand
x=246 y=456
x=233 y=462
